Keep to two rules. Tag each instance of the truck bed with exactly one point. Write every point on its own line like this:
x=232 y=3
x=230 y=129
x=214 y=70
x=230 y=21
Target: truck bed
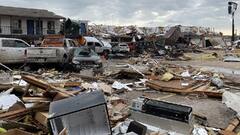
x=45 y=54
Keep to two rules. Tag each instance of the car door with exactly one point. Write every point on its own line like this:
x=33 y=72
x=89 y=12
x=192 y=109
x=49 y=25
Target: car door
x=20 y=48
x=6 y=51
x=71 y=46
x=13 y=50
x=91 y=45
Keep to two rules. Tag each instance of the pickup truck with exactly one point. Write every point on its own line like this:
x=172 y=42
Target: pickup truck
x=12 y=50
x=51 y=53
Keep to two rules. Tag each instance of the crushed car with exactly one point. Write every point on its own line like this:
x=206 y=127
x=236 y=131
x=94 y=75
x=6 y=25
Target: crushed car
x=83 y=57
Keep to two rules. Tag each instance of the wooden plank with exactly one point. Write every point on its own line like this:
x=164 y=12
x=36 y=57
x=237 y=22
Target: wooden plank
x=36 y=99
x=233 y=124
x=195 y=89
x=173 y=84
x=41 y=117
x=9 y=124
x=223 y=132
x=21 y=112
x=67 y=84
x=44 y=85
x=155 y=86
x=14 y=113
x=231 y=127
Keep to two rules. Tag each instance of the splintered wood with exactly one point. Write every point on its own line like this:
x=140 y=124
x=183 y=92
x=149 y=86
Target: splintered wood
x=231 y=127
x=44 y=85
x=175 y=86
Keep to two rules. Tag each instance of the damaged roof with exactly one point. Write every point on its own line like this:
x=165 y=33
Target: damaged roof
x=28 y=12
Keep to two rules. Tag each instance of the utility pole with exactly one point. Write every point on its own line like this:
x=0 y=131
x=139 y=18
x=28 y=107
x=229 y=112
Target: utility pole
x=232 y=7
x=233 y=33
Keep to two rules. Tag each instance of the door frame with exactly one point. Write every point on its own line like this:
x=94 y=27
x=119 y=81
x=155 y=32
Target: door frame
x=30 y=27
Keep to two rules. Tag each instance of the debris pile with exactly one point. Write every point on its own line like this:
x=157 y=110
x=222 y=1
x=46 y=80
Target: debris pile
x=26 y=99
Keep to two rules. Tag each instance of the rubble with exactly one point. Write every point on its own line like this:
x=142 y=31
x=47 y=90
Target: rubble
x=32 y=102
x=231 y=100
x=231 y=58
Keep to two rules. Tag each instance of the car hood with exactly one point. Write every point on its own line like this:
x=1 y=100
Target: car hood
x=106 y=44
x=86 y=58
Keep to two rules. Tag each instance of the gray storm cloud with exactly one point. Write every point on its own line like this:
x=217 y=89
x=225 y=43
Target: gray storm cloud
x=208 y=13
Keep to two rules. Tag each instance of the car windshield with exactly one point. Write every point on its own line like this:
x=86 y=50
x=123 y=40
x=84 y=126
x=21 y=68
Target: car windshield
x=122 y=45
x=84 y=51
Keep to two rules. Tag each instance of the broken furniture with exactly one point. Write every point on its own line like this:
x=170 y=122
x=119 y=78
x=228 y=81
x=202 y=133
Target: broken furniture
x=84 y=114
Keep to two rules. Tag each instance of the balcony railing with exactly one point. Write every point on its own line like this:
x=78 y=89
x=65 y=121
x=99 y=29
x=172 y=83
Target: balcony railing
x=8 y=30
x=16 y=31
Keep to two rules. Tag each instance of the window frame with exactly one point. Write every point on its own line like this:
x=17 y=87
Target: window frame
x=25 y=45
x=6 y=41
x=92 y=43
x=13 y=43
x=51 y=25
x=98 y=44
x=16 y=24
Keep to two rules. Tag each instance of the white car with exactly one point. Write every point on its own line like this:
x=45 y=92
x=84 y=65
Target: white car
x=97 y=45
x=12 y=50
x=121 y=47
x=237 y=43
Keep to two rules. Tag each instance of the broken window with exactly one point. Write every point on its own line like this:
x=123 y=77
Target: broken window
x=98 y=45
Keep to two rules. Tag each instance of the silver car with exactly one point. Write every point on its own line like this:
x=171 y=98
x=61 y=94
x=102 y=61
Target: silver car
x=84 y=57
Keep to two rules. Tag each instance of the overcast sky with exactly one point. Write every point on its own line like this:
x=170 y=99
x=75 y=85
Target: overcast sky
x=208 y=13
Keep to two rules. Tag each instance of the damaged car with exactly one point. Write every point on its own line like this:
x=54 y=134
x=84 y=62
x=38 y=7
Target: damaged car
x=83 y=57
